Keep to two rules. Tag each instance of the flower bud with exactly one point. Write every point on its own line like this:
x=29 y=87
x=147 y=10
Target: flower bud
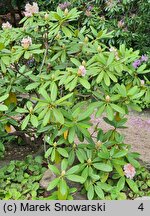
x=83 y=63
x=46 y=16
x=98 y=144
x=74 y=146
x=86 y=39
x=31 y=109
x=89 y=161
x=99 y=49
x=63 y=173
x=55 y=144
x=107 y=98
x=66 y=12
x=142 y=82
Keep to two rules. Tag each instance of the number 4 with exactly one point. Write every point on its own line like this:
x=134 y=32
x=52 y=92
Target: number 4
x=141 y=207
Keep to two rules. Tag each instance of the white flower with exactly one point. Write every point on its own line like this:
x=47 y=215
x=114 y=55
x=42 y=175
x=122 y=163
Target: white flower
x=129 y=171
x=31 y=9
x=6 y=25
x=26 y=42
x=81 y=71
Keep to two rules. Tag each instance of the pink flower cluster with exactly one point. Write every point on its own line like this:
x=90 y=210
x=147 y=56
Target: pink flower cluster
x=138 y=62
x=6 y=25
x=81 y=71
x=64 y=5
x=31 y=9
x=129 y=171
x=26 y=42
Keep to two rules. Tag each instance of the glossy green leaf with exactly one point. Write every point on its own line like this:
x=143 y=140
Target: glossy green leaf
x=103 y=167
x=25 y=122
x=53 y=184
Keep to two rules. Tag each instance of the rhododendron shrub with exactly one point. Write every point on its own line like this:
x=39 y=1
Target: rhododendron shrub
x=53 y=77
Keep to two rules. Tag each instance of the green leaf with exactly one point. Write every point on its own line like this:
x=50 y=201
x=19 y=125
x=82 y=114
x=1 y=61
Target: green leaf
x=107 y=79
x=118 y=108
x=110 y=58
x=4 y=97
x=32 y=86
x=81 y=155
x=133 y=90
x=58 y=116
x=132 y=185
x=85 y=114
x=85 y=172
x=122 y=196
x=64 y=164
x=54 y=90
x=106 y=187
x=25 y=122
x=100 y=76
x=76 y=178
x=53 y=184
x=56 y=56
x=110 y=112
x=121 y=183
x=90 y=193
x=141 y=68
x=3 y=108
x=34 y=120
x=75 y=61
x=54 y=169
x=21 y=110
x=46 y=118
x=73 y=84
x=63 y=98
x=84 y=83
x=100 y=111
x=66 y=31
x=48 y=152
x=6 y=60
x=44 y=93
x=62 y=152
x=119 y=169
x=99 y=192
x=103 y=167
x=63 y=187
x=112 y=76
x=71 y=135
x=119 y=154
x=72 y=170
x=134 y=162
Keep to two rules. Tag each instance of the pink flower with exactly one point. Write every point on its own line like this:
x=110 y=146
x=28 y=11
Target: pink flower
x=6 y=25
x=129 y=171
x=142 y=82
x=26 y=42
x=81 y=71
x=31 y=9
